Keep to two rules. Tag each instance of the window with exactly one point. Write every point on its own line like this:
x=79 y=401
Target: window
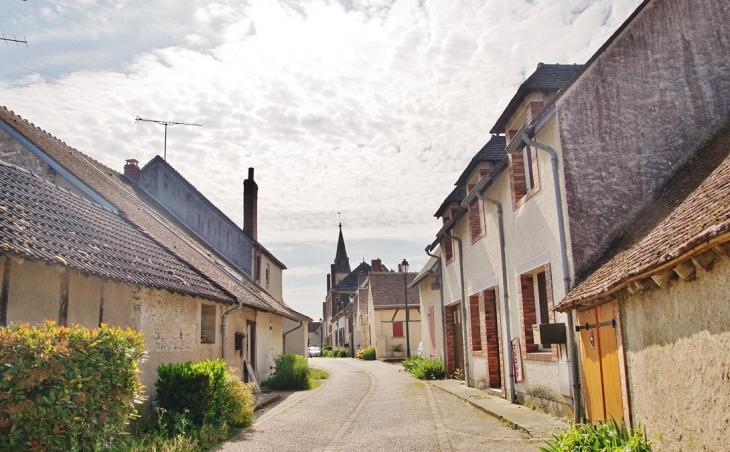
x=476 y=331
x=448 y=244
x=207 y=324
x=523 y=173
x=397 y=329
x=268 y=275
x=536 y=307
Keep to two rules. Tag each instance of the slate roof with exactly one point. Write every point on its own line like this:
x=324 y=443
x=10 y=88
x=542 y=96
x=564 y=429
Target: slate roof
x=144 y=212
x=387 y=290
x=350 y=282
x=40 y=220
x=692 y=209
x=313 y=327
x=457 y=195
x=159 y=160
x=547 y=77
x=492 y=152
x=342 y=262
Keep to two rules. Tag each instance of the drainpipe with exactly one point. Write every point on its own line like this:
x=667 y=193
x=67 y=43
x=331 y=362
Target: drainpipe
x=479 y=195
x=441 y=296
x=293 y=329
x=464 y=328
x=223 y=326
x=528 y=130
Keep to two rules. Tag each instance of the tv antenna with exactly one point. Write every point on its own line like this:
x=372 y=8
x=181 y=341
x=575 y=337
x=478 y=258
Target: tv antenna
x=166 y=123
x=15 y=40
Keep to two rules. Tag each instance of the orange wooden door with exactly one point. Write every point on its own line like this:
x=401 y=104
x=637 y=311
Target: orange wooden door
x=612 y=398
x=591 y=359
x=601 y=375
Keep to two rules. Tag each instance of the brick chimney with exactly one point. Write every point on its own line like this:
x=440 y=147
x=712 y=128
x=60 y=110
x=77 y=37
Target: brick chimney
x=329 y=282
x=131 y=170
x=376 y=266
x=250 y=209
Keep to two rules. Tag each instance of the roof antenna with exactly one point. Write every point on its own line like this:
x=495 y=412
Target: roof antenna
x=166 y=123
x=15 y=40
x=339 y=218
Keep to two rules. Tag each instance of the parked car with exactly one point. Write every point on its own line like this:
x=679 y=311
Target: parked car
x=313 y=351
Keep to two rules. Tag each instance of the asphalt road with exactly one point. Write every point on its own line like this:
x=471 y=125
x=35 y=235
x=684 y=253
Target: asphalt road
x=373 y=406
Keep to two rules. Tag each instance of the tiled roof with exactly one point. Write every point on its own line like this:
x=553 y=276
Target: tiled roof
x=547 y=77
x=492 y=152
x=42 y=221
x=430 y=264
x=148 y=215
x=350 y=282
x=690 y=211
x=342 y=262
x=457 y=195
x=387 y=290
x=313 y=327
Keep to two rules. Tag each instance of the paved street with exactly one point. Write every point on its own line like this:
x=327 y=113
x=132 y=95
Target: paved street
x=369 y=405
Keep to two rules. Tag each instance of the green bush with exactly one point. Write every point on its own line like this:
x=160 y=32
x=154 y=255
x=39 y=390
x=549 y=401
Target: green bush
x=429 y=369
x=291 y=372
x=66 y=388
x=408 y=363
x=605 y=436
x=341 y=353
x=367 y=354
x=202 y=392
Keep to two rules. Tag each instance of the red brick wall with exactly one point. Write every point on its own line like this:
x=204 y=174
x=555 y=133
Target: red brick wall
x=450 y=350
x=475 y=324
x=492 y=336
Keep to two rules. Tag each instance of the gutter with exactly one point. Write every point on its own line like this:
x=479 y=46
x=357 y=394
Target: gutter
x=441 y=298
x=223 y=326
x=521 y=139
x=464 y=328
x=283 y=348
x=513 y=396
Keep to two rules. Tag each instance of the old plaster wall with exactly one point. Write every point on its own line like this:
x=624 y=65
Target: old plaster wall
x=268 y=341
x=677 y=341
x=431 y=298
x=273 y=287
x=198 y=214
x=29 y=301
x=11 y=151
x=296 y=341
x=644 y=106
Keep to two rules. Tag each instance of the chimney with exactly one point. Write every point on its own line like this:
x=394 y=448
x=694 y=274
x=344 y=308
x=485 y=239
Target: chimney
x=334 y=275
x=131 y=170
x=376 y=265
x=329 y=283
x=250 y=210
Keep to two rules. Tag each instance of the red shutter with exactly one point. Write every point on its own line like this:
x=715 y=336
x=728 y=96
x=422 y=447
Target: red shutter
x=397 y=329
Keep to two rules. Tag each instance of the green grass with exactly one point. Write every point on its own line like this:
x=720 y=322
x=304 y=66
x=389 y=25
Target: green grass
x=318 y=374
x=604 y=436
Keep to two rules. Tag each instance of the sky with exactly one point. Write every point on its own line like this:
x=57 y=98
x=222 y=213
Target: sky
x=359 y=111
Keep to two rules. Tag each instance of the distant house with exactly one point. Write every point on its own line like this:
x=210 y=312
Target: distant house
x=246 y=325
x=386 y=316
x=428 y=284
x=314 y=336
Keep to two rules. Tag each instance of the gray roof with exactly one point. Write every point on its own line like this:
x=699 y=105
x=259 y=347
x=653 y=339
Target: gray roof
x=350 y=282
x=492 y=152
x=40 y=220
x=457 y=195
x=546 y=78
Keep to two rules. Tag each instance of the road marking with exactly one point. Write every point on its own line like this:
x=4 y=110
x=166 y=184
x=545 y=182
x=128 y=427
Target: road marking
x=443 y=438
x=332 y=446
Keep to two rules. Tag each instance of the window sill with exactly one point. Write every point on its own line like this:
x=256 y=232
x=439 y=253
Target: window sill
x=476 y=239
x=525 y=198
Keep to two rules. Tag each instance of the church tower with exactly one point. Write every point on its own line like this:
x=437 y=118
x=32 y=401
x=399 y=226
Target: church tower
x=341 y=267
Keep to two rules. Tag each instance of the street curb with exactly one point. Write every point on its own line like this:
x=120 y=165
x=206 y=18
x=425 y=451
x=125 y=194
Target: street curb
x=266 y=402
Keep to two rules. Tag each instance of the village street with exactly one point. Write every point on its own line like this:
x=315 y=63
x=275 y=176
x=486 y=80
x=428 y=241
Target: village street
x=370 y=405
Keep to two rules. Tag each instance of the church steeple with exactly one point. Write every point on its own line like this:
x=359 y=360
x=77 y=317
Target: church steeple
x=342 y=262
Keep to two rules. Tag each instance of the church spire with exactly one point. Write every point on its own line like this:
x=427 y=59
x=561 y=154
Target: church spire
x=342 y=262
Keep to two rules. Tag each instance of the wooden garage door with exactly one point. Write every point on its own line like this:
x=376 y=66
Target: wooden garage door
x=599 y=353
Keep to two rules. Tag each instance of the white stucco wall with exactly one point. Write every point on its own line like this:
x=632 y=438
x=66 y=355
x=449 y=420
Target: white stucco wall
x=431 y=298
x=296 y=341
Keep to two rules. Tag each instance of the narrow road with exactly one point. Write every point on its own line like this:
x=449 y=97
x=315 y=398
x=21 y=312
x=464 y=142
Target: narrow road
x=369 y=405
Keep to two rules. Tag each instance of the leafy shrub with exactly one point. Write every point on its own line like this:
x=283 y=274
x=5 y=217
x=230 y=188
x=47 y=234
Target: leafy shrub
x=606 y=436
x=397 y=348
x=66 y=388
x=367 y=354
x=341 y=353
x=408 y=363
x=291 y=372
x=200 y=392
x=429 y=369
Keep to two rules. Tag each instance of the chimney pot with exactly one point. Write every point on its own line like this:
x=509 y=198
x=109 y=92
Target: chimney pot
x=131 y=170
x=376 y=266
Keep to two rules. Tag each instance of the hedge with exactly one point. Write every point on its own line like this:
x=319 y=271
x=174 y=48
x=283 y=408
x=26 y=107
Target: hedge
x=66 y=388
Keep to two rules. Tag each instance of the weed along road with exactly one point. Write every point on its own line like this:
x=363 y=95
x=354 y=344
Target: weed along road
x=370 y=405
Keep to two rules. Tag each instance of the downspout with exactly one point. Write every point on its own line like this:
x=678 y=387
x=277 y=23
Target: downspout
x=464 y=328
x=223 y=326
x=441 y=297
x=500 y=221
x=293 y=329
x=527 y=130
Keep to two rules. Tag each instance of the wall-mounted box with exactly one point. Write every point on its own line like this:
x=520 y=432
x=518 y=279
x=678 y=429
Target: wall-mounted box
x=549 y=333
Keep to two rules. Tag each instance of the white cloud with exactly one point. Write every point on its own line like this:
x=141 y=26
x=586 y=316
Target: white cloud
x=370 y=108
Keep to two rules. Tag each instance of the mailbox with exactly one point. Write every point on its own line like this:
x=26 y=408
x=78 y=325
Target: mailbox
x=549 y=333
